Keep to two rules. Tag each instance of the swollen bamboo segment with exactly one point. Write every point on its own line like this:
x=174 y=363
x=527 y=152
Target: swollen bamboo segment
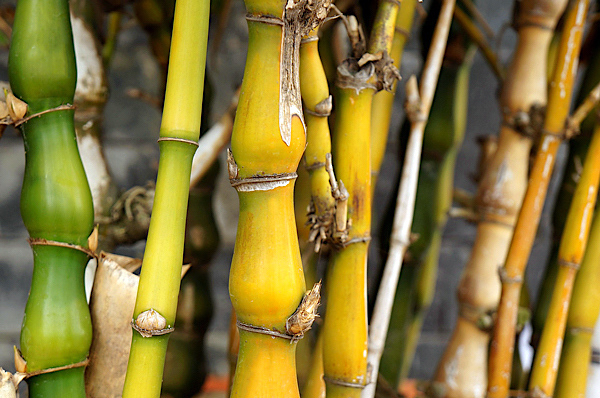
x=56 y=203
x=266 y=283
x=462 y=369
x=529 y=216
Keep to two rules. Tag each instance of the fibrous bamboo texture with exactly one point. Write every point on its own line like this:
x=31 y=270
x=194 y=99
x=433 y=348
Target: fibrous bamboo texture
x=501 y=351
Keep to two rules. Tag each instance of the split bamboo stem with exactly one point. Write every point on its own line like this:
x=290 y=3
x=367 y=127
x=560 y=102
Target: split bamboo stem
x=383 y=100
x=161 y=270
x=400 y=237
x=572 y=249
x=56 y=203
x=554 y=126
x=462 y=369
x=583 y=310
x=266 y=282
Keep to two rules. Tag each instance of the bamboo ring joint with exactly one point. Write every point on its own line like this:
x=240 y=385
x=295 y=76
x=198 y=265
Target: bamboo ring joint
x=262 y=182
x=322 y=109
x=262 y=330
x=505 y=279
x=343 y=383
x=45 y=242
x=314 y=166
x=568 y=264
x=308 y=39
x=595 y=356
x=395 y=2
x=403 y=32
x=21 y=366
x=360 y=239
x=193 y=143
x=64 y=107
x=534 y=24
x=267 y=19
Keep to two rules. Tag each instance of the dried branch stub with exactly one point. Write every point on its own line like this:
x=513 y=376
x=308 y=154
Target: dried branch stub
x=302 y=319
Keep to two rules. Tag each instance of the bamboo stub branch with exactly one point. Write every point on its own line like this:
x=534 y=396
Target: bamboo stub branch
x=405 y=203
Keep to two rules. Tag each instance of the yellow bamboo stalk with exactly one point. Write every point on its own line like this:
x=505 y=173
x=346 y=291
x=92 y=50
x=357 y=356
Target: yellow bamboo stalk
x=266 y=281
x=462 y=370
x=570 y=255
x=345 y=327
x=502 y=346
x=383 y=100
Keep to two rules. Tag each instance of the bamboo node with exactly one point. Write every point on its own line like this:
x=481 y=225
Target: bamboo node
x=193 y=143
x=266 y=19
x=262 y=330
x=568 y=264
x=262 y=182
x=350 y=75
x=527 y=123
x=595 y=356
x=482 y=318
x=150 y=323
x=538 y=393
x=322 y=109
x=302 y=319
x=581 y=329
x=505 y=279
x=22 y=373
x=343 y=383
x=309 y=39
x=385 y=70
x=314 y=166
x=403 y=32
x=46 y=242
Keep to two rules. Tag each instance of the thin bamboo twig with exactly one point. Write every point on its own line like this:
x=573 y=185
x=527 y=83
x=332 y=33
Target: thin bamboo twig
x=502 y=346
x=400 y=238
x=474 y=11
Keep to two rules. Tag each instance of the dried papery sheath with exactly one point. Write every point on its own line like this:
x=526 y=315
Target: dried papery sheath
x=302 y=319
x=300 y=17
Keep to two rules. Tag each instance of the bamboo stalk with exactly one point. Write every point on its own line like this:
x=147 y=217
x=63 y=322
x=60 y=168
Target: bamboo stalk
x=56 y=204
x=406 y=196
x=570 y=254
x=462 y=370
x=266 y=280
x=583 y=310
x=578 y=147
x=345 y=327
x=526 y=227
x=160 y=276
x=383 y=100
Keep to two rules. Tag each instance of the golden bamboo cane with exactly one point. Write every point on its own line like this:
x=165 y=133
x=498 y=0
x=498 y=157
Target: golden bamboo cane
x=529 y=216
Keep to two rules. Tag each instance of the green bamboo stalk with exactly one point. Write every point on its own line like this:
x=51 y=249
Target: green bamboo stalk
x=583 y=314
x=56 y=204
x=161 y=270
x=185 y=363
